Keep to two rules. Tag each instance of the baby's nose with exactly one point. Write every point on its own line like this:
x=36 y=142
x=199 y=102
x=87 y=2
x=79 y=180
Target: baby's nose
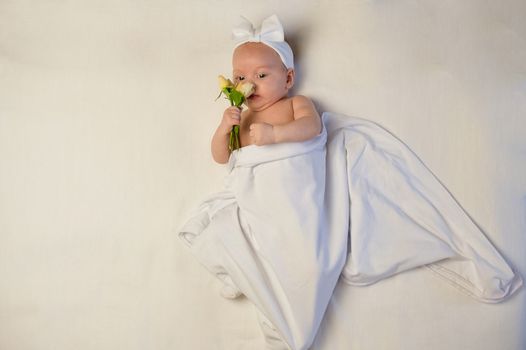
x=254 y=85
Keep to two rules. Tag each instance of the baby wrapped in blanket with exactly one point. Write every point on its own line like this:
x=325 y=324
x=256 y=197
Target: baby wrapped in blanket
x=310 y=199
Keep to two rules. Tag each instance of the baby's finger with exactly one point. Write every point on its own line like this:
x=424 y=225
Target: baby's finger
x=236 y=120
x=234 y=115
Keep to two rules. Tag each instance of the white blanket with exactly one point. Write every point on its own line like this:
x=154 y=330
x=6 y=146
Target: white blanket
x=355 y=202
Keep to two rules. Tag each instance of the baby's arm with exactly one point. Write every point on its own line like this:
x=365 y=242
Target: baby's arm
x=220 y=140
x=306 y=125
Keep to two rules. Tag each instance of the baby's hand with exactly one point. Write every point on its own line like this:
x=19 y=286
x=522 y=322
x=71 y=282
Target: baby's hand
x=262 y=134
x=231 y=117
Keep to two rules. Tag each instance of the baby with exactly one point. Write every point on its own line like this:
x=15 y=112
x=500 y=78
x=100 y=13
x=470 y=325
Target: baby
x=279 y=233
x=264 y=59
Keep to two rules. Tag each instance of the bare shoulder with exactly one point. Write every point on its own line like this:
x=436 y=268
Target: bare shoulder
x=303 y=106
x=301 y=100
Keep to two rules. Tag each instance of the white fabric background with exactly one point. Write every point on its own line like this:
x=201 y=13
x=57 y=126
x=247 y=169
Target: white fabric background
x=106 y=113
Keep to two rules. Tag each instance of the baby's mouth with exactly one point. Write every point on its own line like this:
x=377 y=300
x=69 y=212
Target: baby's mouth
x=251 y=97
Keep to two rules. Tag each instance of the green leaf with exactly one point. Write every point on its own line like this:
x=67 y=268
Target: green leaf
x=226 y=92
x=237 y=97
x=218 y=96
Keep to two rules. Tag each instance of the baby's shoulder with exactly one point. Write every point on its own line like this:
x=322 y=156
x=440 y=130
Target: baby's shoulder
x=301 y=102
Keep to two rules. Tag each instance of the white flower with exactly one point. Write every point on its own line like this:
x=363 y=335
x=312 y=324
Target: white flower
x=245 y=88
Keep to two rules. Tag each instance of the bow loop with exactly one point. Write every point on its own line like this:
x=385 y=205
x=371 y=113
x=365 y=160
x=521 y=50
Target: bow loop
x=243 y=31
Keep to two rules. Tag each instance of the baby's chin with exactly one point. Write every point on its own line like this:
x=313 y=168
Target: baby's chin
x=256 y=104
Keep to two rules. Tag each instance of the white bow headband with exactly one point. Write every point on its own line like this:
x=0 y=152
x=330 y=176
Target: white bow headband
x=269 y=33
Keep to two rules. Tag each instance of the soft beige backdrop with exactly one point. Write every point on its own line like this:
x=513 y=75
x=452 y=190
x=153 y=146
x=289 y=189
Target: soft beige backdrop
x=106 y=112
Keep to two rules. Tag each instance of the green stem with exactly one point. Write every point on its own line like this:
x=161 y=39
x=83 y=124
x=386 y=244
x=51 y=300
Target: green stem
x=234 y=142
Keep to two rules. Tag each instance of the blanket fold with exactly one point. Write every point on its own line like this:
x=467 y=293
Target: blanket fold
x=353 y=202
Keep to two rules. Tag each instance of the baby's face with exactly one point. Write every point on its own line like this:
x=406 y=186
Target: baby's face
x=259 y=64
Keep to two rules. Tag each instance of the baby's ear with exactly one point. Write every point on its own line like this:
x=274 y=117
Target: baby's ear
x=290 y=78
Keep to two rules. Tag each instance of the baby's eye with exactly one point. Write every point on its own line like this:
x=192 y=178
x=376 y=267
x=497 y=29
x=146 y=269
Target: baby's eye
x=239 y=78
x=261 y=75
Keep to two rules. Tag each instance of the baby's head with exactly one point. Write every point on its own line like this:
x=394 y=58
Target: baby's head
x=263 y=58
